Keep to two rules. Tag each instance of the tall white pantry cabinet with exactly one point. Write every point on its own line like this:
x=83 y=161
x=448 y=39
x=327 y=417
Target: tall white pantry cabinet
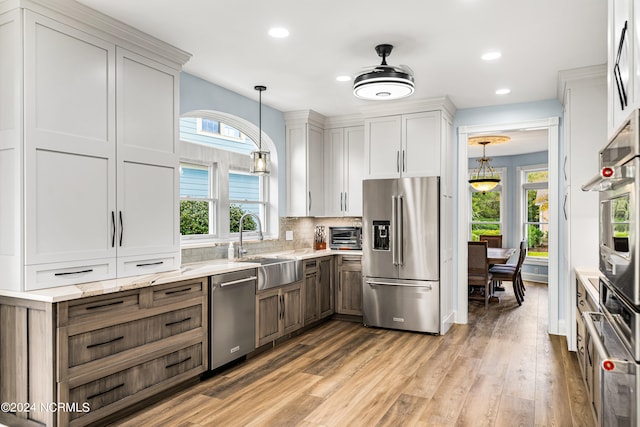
x=89 y=178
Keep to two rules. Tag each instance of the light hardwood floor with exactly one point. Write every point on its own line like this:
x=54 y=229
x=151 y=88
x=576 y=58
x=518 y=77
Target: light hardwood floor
x=502 y=369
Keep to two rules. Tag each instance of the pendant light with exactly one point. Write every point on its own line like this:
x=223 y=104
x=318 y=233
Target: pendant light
x=260 y=159
x=484 y=178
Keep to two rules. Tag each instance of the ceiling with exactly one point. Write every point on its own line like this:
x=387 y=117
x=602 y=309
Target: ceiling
x=442 y=42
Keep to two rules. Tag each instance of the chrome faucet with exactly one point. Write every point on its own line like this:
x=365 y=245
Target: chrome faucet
x=241 y=250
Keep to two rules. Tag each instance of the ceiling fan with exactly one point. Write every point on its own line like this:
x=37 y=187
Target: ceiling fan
x=384 y=81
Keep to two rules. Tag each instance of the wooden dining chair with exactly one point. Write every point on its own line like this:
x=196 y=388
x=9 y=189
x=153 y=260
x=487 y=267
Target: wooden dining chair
x=478 y=276
x=512 y=273
x=494 y=240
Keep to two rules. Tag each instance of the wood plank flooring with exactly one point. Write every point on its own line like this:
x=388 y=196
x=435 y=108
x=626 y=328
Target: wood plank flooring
x=502 y=369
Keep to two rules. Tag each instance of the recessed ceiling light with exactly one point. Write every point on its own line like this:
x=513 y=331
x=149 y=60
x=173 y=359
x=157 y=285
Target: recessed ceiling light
x=503 y=91
x=279 y=32
x=343 y=78
x=490 y=56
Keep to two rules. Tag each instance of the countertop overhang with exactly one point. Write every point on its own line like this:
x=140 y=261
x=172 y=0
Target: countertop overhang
x=186 y=272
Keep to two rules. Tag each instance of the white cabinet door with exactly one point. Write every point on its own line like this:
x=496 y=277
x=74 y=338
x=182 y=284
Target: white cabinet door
x=315 y=165
x=148 y=214
x=621 y=66
x=382 y=147
x=420 y=154
x=69 y=125
x=334 y=161
x=353 y=170
x=305 y=163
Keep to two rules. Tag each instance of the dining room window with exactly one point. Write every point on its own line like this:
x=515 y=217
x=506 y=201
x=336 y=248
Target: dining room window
x=487 y=210
x=535 y=210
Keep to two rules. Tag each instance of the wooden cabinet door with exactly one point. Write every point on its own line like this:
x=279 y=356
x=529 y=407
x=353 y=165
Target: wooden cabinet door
x=311 y=297
x=349 y=293
x=148 y=178
x=353 y=170
x=69 y=134
x=268 y=316
x=325 y=287
x=292 y=316
x=420 y=154
x=382 y=147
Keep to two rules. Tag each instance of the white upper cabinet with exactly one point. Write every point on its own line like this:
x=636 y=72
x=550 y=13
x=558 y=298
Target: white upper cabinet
x=623 y=67
x=304 y=151
x=343 y=171
x=406 y=145
x=90 y=132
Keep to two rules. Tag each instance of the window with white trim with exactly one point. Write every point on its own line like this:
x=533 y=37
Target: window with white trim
x=216 y=188
x=487 y=210
x=535 y=210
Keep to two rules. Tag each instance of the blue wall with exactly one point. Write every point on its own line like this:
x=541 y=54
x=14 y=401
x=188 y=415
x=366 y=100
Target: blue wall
x=199 y=94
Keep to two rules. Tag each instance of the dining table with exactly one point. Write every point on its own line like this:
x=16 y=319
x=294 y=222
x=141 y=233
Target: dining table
x=498 y=256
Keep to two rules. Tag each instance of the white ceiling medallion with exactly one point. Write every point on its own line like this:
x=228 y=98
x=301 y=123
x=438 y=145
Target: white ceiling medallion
x=384 y=82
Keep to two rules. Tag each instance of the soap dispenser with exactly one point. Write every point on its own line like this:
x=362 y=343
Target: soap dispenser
x=231 y=251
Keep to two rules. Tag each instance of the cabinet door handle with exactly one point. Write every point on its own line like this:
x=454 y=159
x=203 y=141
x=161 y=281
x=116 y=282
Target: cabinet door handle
x=282 y=307
x=146 y=264
x=178 y=321
x=121 y=226
x=564 y=168
x=564 y=207
x=309 y=201
x=404 y=161
x=345 y=201
x=177 y=291
x=109 y=390
x=178 y=363
x=105 y=342
x=67 y=273
x=397 y=161
x=108 y=304
x=341 y=209
x=113 y=229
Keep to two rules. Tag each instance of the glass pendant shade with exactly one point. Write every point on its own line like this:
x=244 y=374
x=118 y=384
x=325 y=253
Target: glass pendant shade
x=484 y=178
x=260 y=159
x=259 y=162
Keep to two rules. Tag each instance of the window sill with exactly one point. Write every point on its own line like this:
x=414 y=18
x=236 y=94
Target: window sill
x=208 y=243
x=536 y=261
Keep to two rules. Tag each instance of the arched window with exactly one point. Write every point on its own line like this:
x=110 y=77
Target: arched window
x=216 y=188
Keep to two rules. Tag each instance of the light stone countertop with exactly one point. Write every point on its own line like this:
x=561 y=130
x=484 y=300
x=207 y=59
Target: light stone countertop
x=584 y=275
x=186 y=272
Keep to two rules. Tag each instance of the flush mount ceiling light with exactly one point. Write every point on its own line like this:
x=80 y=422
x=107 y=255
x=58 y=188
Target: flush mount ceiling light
x=279 y=32
x=384 y=82
x=260 y=159
x=484 y=178
x=490 y=56
x=504 y=91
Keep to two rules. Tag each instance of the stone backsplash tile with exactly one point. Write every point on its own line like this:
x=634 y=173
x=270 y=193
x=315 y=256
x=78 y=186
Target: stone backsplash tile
x=303 y=238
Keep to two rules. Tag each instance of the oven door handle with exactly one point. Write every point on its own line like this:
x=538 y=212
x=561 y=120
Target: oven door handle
x=607 y=363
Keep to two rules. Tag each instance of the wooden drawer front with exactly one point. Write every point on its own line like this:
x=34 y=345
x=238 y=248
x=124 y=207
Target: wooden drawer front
x=112 y=388
x=104 y=306
x=310 y=265
x=583 y=300
x=92 y=345
x=165 y=294
x=353 y=262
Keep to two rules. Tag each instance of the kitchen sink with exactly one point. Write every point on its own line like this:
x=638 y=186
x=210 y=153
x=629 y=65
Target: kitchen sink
x=274 y=272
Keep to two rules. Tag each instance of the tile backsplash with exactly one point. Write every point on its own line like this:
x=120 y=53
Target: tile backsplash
x=303 y=234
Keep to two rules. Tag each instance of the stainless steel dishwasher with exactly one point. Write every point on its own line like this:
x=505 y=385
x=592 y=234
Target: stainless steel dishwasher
x=232 y=314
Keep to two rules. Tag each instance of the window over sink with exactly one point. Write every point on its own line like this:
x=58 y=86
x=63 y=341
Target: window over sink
x=216 y=188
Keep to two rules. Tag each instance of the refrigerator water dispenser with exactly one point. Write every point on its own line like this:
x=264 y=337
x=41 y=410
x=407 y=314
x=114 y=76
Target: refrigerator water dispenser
x=381 y=235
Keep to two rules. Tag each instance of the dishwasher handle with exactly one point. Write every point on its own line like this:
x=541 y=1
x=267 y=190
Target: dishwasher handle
x=236 y=282
x=411 y=285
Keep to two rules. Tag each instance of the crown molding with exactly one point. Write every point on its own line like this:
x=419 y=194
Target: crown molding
x=344 y=121
x=389 y=108
x=107 y=28
x=578 y=74
x=304 y=116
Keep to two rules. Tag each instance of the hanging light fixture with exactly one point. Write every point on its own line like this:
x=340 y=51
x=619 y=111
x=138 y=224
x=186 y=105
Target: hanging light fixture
x=384 y=82
x=260 y=159
x=484 y=178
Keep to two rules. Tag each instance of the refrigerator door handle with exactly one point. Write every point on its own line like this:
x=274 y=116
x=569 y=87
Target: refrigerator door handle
x=400 y=230
x=394 y=228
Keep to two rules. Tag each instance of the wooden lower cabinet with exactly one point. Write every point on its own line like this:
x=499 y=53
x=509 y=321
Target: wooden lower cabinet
x=349 y=289
x=318 y=289
x=279 y=311
x=100 y=354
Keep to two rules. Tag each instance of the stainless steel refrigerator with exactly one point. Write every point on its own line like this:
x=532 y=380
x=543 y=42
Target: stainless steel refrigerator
x=401 y=253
